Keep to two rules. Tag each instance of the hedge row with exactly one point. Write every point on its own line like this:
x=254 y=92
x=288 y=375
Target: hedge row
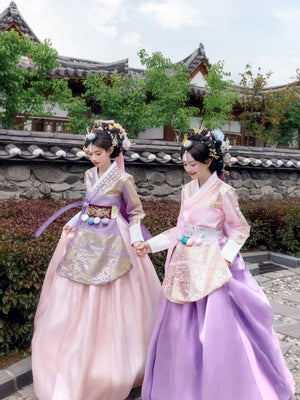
x=24 y=259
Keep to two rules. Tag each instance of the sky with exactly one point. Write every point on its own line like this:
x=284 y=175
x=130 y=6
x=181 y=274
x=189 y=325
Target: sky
x=262 y=33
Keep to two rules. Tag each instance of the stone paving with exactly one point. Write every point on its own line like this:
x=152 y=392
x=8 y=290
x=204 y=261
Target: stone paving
x=283 y=291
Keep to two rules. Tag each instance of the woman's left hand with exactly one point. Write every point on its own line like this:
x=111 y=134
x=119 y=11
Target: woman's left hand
x=141 y=248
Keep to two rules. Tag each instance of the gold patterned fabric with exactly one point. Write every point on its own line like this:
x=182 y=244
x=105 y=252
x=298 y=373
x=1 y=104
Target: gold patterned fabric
x=194 y=272
x=95 y=259
x=97 y=254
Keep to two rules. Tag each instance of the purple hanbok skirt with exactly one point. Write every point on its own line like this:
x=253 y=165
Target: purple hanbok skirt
x=221 y=347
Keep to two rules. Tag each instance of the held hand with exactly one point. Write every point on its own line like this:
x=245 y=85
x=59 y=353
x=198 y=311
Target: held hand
x=142 y=248
x=67 y=229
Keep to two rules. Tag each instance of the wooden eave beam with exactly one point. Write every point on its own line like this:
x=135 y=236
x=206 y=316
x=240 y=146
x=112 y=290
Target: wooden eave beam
x=201 y=67
x=13 y=26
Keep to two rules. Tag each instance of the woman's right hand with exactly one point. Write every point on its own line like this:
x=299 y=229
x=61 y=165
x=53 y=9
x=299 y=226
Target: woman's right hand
x=67 y=229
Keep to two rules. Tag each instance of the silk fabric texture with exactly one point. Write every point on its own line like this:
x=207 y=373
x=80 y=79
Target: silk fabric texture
x=90 y=341
x=221 y=346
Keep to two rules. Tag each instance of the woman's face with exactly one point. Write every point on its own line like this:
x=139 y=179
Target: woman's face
x=196 y=169
x=99 y=156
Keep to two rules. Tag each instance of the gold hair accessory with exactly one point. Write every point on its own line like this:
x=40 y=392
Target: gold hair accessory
x=186 y=143
x=198 y=131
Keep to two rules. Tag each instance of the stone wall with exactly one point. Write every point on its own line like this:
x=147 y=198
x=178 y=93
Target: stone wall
x=64 y=180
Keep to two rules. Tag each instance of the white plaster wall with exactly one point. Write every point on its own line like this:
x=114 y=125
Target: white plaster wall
x=154 y=133
x=199 y=80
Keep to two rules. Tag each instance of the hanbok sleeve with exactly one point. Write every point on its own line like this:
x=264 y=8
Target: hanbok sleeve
x=134 y=210
x=163 y=240
x=73 y=221
x=236 y=227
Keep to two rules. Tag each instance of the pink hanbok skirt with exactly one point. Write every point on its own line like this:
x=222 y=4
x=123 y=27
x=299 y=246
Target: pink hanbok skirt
x=90 y=342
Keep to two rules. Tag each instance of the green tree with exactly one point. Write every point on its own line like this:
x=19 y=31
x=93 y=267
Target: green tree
x=158 y=97
x=290 y=122
x=221 y=95
x=24 y=86
x=266 y=111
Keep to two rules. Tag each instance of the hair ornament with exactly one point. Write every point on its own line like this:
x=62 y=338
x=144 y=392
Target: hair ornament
x=113 y=129
x=91 y=136
x=213 y=153
x=198 y=131
x=225 y=146
x=187 y=143
x=219 y=135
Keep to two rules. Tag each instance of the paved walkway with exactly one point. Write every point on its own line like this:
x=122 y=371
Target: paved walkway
x=283 y=291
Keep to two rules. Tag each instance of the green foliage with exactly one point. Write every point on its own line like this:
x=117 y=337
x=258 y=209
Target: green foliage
x=23 y=262
x=26 y=90
x=23 y=258
x=220 y=97
x=160 y=216
x=157 y=98
x=275 y=226
x=267 y=112
x=78 y=114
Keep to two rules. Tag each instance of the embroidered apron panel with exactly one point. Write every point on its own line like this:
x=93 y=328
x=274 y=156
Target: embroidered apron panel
x=95 y=259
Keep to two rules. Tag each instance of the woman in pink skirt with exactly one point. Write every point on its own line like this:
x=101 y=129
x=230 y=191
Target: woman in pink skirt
x=93 y=321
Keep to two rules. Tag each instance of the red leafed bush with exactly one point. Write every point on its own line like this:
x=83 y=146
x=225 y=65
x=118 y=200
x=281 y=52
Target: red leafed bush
x=23 y=258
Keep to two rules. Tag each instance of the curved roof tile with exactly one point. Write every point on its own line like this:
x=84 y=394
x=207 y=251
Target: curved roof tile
x=44 y=146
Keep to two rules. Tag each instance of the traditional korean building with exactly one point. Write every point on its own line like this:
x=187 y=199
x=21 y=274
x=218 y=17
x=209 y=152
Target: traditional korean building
x=76 y=70
x=43 y=161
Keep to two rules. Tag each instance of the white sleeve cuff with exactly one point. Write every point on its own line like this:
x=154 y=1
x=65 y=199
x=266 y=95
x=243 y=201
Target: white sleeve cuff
x=230 y=250
x=73 y=221
x=136 y=233
x=159 y=243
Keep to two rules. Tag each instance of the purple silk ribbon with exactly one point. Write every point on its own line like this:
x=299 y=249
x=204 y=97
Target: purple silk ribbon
x=84 y=203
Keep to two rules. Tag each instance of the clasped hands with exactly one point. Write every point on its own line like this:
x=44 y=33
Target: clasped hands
x=142 y=248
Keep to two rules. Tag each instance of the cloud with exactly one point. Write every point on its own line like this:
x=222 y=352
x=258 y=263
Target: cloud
x=132 y=39
x=107 y=17
x=172 y=14
x=289 y=19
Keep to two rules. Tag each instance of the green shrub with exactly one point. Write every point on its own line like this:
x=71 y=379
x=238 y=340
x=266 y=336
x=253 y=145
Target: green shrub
x=23 y=262
x=275 y=226
x=160 y=216
x=23 y=258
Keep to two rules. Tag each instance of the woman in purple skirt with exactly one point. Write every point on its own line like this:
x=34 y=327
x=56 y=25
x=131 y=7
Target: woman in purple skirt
x=212 y=337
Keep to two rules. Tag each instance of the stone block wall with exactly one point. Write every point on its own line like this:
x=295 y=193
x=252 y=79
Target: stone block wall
x=64 y=180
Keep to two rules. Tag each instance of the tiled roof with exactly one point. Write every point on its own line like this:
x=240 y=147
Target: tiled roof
x=70 y=66
x=194 y=59
x=76 y=67
x=79 y=68
x=10 y=16
x=64 y=147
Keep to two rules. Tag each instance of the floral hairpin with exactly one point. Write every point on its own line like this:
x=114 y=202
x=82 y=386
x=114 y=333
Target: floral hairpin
x=213 y=154
x=90 y=135
x=198 y=131
x=225 y=146
x=114 y=140
x=186 y=143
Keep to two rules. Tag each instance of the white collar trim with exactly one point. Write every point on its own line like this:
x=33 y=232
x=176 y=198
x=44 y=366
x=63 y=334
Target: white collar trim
x=99 y=179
